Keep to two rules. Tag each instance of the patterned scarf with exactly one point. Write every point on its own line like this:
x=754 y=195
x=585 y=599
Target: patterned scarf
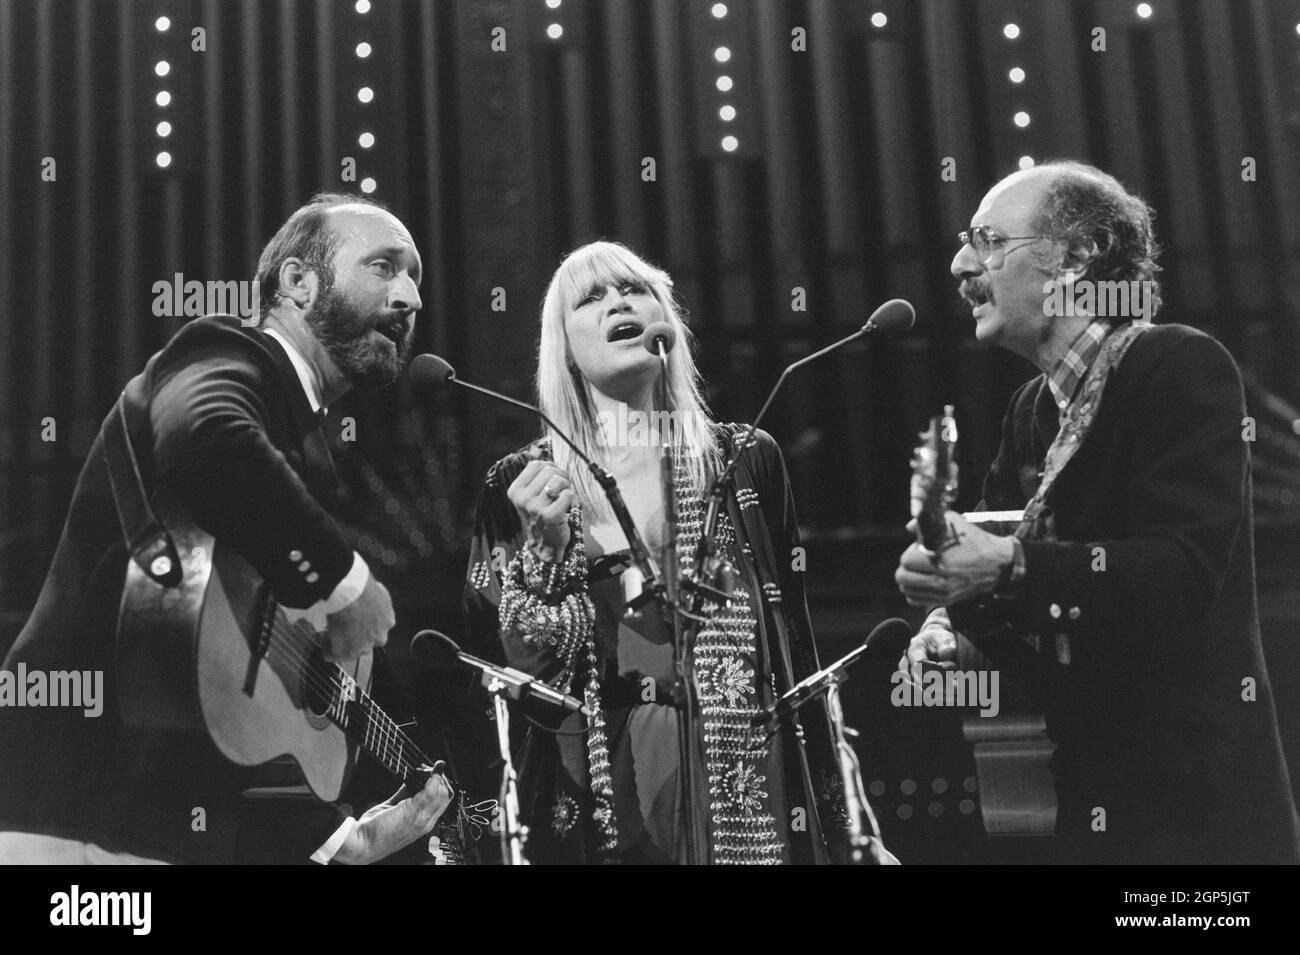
x=1037 y=523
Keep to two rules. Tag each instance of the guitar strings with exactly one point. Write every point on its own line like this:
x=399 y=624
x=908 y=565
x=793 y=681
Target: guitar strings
x=389 y=741
x=388 y=734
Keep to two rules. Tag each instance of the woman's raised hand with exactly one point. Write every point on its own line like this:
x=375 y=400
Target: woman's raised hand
x=542 y=495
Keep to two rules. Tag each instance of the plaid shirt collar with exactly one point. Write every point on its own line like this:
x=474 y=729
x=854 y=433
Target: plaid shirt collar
x=1069 y=371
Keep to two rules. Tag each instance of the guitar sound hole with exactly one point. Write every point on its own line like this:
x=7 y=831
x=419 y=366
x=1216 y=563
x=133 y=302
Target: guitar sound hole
x=318 y=690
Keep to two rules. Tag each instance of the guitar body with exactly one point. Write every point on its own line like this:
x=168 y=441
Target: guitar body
x=215 y=658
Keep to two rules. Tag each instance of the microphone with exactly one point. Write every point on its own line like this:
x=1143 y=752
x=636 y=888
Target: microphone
x=887 y=641
x=660 y=333
x=896 y=315
x=436 y=649
x=430 y=371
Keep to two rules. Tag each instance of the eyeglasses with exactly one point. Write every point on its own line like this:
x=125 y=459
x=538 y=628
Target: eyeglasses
x=987 y=243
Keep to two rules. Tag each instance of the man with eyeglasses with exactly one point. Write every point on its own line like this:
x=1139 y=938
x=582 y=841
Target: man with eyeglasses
x=1128 y=590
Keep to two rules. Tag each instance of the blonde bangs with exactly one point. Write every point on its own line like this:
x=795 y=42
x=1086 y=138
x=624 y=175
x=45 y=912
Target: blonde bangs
x=602 y=264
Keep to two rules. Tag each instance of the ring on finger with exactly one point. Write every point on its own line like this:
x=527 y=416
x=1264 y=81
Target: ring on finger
x=551 y=491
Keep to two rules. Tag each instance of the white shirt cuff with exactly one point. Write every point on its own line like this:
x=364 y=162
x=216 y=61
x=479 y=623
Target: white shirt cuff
x=334 y=843
x=350 y=587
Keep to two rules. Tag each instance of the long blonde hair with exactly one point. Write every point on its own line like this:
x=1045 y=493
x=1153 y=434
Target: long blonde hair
x=565 y=395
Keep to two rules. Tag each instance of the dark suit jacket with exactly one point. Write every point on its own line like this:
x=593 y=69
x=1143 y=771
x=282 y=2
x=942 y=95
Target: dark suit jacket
x=1164 y=717
x=224 y=425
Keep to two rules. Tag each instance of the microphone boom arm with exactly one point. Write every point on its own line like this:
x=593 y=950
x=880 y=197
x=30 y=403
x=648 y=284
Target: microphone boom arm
x=640 y=554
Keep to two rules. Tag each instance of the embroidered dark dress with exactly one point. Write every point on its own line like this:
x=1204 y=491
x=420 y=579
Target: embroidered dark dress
x=762 y=807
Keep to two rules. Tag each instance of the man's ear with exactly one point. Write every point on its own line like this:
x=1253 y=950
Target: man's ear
x=298 y=284
x=1075 y=261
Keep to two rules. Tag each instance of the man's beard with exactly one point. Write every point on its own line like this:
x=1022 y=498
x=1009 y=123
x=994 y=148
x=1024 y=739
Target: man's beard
x=345 y=334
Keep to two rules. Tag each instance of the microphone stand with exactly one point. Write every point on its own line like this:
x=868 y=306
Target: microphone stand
x=653 y=588
x=864 y=831
x=687 y=687
x=514 y=834
x=718 y=490
x=862 y=821
x=706 y=556
x=706 y=559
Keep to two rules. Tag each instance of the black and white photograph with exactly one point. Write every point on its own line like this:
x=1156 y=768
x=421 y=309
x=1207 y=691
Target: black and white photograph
x=652 y=432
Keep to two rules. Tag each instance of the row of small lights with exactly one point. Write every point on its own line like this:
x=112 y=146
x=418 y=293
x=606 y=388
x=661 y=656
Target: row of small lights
x=366 y=96
x=721 y=54
x=163 y=98
x=1017 y=76
x=724 y=83
x=554 y=30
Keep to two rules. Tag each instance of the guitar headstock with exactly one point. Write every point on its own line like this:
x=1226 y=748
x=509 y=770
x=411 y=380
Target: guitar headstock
x=934 y=479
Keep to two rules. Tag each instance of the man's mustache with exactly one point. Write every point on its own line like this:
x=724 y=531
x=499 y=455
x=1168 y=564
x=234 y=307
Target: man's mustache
x=975 y=293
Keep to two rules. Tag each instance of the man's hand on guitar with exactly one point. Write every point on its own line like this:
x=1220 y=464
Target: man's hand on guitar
x=360 y=626
x=395 y=824
x=932 y=645
x=970 y=564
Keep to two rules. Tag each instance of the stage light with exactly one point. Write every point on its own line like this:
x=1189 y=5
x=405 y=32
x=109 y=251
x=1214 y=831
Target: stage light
x=1021 y=119
x=162 y=24
x=163 y=98
x=728 y=113
x=722 y=54
x=730 y=143
x=162 y=67
x=163 y=129
x=366 y=140
x=1144 y=10
x=1297 y=28
x=553 y=4
x=555 y=31
x=163 y=159
x=878 y=20
x=368 y=185
x=1017 y=75
x=363 y=50
x=365 y=94
x=724 y=84
x=363 y=6
x=719 y=11
x=1026 y=162
x=1011 y=31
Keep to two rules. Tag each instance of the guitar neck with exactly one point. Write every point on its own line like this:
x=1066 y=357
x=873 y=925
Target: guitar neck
x=364 y=721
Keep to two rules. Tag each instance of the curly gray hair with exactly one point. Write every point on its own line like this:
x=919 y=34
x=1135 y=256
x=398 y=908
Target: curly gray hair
x=1094 y=215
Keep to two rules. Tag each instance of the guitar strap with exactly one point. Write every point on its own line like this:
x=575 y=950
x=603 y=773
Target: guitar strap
x=997 y=637
x=1037 y=523
x=147 y=540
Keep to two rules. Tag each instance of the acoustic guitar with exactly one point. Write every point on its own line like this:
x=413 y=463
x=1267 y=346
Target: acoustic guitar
x=217 y=657
x=1012 y=749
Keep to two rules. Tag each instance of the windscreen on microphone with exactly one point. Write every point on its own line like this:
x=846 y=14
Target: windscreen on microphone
x=434 y=649
x=430 y=371
x=896 y=315
x=889 y=640
x=653 y=334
